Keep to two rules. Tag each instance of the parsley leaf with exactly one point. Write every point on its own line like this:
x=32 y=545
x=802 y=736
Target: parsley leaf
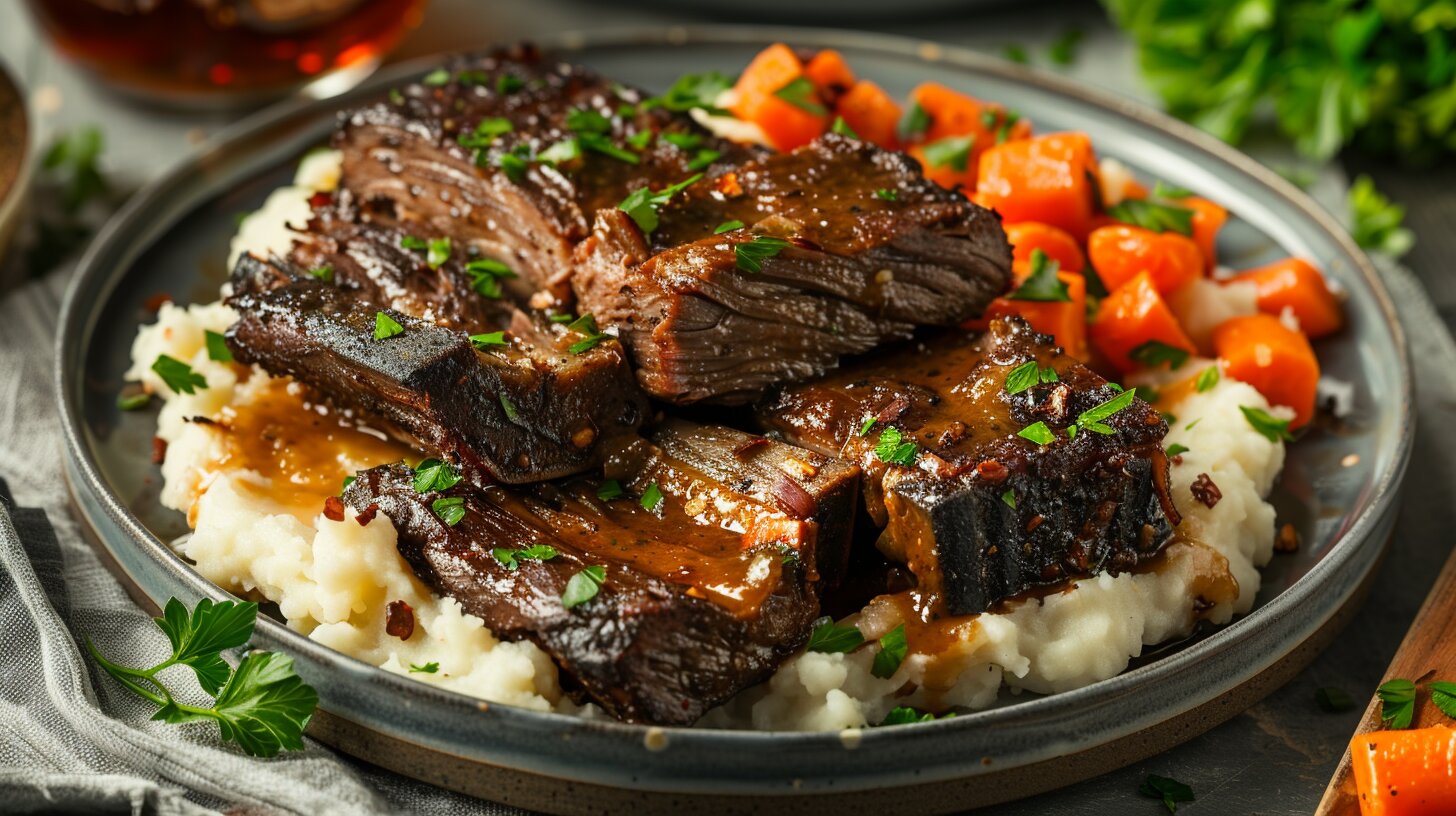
x=642 y=204
x=1443 y=695
x=703 y=159
x=1016 y=53
x=586 y=120
x=1274 y=430
x=894 y=449
x=584 y=586
x=1207 y=379
x=905 y=715
x=1154 y=215
x=1376 y=221
x=508 y=84
x=485 y=133
x=323 y=273
x=750 y=255
x=1093 y=418
x=1042 y=284
x=511 y=559
x=842 y=128
x=1009 y=499
x=887 y=195
x=428 y=668
x=1027 y=375
x=600 y=143
x=217 y=348
x=434 y=474
x=800 y=93
x=488 y=340
x=1038 y=432
x=893 y=648
x=587 y=325
x=728 y=226
x=1397 y=703
x=832 y=638
x=952 y=151
x=610 y=489
x=651 y=497
x=438 y=253
x=1333 y=700
x=566 y=150
x=178 y=375
x=1154 y=353
x=486 y=275
x=1064 y=50
x=262 y=705
x=134 y=401
x=913 y=124
x=450 y=509
x=693 y=91
x=686 y=141
x=1176 y=448
x=436 y=78
x=1170 y=791
x=866 y=426
x=386 y=326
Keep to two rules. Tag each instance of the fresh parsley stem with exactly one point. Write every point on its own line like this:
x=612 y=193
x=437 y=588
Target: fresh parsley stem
x=125 y=675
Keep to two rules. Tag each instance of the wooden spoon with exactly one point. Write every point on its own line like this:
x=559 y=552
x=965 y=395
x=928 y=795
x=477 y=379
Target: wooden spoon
x=1427 y=652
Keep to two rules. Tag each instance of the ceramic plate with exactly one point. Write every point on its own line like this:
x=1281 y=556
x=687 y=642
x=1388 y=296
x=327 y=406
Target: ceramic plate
x=1337 y=489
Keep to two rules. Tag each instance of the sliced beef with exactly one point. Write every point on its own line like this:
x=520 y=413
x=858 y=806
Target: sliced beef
x=706 y=590
x=983 y=513
x=422 y=163
x=873 y=250
x=527 y=410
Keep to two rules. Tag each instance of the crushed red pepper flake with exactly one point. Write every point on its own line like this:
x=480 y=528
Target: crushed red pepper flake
x=368 y=514
x=159 y=450
x=1204 y=490
x=334 y=508
x=399 y=619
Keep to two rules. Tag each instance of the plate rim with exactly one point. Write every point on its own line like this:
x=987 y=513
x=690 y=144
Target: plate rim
x=91 y=276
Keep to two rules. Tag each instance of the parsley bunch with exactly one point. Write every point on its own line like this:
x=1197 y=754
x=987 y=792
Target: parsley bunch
x=1380 y=75
x=261 y=705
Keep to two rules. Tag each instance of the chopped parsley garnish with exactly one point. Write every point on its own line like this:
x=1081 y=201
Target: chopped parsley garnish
x=428 y=668
x=509 y=407
x=434 y=474
x=1008 y=121
x=952 y=151
x=1333 y=700
x=750 y=255
x=891 y=654
x=486 y=275
x=510 y=559
x=686 y=141
x=905 y=715
x=1207 y=379
x=561 y=317
x=514 y=165
x=1009 y=499
x=386 y=326
x=1397 y=703
x=887 y=195
x=842 y=128
x=651 y=497
x=913 y=124
x=323 y=273
x=134 y=401
x=1170 y=791
x=892 y=447
x=217 y=348
x=1064 y=50
x=395 y=97
x=436 y=78
x=693 y=91
x=472 y=77
x=599 y=143
x=262 y=705
x=413 y=242
x=348 y=480
x=178 y=375
x=488 y=340
x=486 y=131
x=586 y=120
x=1154 y=353
x=566 y=150
x=508 y=84
x=728 y=226
x=641 y=139
x=1016 y=53
x=1164 y=190
x=587 y=325
x=584 y=586
x=1042 y=284
x=1154 y=215
x=1376 y=220
x=450 y=509
x=1037 y=432
x=438 y=253
x=1093 y=418
x=1176 y=448
x=1027 y=375
x=832 y=638
x=610 y=489
x=1443 y=695
x=1274 y=430
x=800 y=93
x=642 y=204
x=703 y=159
x=866 y=426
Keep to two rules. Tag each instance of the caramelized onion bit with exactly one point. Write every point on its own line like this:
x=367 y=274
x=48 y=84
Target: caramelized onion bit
x=334 y=508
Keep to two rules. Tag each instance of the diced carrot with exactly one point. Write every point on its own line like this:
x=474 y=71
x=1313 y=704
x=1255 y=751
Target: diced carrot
x=1405 y=773
x=871 y=113
x=1295 y=284
x=1131 y=315
x=1029 y=236
x=1263 y=352
x=1120 y=252
x=829 y=73
x=1065 y=320
x=1208 y=219
x=785 y=124
x=960 y=173
x=1134 y=189
x=957 y=115
x=1047 y=178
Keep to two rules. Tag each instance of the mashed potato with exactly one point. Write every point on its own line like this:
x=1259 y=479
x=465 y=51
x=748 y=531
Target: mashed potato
x=258 y=535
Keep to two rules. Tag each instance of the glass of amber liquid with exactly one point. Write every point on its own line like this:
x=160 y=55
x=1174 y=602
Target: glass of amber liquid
x=226 y=53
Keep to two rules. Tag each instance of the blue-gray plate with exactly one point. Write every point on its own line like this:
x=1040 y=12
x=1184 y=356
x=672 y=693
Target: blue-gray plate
x=1338 y=488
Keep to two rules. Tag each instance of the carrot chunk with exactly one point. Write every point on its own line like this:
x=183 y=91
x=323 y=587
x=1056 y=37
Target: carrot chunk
x=1405 y=773
x=1065 y=320
x=871 y=113
x=1120 y=252
x=1208 y=219
x=1048 y=178
x=1278 y=361
x=958 y=119
x=1295 y=284
x=1029 y=236
x=829 y=73
x=1131 y=315
x=786 y=124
